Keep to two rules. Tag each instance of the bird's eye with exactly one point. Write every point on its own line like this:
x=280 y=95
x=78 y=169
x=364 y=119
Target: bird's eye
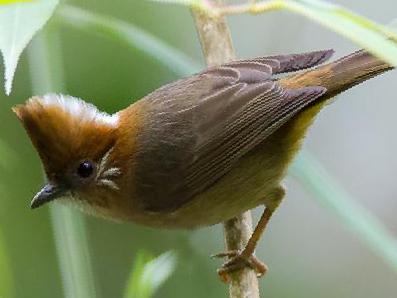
x=85 y=169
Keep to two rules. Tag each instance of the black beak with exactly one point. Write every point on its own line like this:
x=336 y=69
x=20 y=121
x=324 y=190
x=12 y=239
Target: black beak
x=47 y=194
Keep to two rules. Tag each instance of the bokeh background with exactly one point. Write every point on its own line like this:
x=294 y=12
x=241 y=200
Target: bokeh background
x=309 y=251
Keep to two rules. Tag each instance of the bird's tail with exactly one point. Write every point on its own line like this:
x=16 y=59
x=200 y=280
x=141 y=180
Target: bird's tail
x=341 y=74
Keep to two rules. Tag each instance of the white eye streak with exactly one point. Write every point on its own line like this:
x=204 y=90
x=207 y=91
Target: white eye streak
x=103 y=163
x=112 y=172
x=109 y=183
x=105 y=175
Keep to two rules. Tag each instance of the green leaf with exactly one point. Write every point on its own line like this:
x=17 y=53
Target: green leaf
x=378 y=39
x=18 y=24
x=148 y=274
x=5 y=2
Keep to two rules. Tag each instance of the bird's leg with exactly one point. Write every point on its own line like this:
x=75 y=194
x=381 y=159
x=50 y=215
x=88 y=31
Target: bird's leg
x=240 y=259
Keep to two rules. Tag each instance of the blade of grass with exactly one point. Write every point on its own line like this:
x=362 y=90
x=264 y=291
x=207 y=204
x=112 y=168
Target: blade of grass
x=69 y=228
x=7 y=155
x=366 y=33
x=329 y=193
x=7 y=283
x=7 y=287
x=173 y=59
x=148 y=274
x=19 y=22
x=134 y=280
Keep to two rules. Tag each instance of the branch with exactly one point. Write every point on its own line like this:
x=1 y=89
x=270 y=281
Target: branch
x=376 y=38
x=217 y=48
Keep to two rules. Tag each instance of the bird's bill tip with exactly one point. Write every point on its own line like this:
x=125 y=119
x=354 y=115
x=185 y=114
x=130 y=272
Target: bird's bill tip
x=47 y=194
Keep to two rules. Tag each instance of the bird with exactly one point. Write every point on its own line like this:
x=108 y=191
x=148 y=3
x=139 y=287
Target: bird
x=194 y=152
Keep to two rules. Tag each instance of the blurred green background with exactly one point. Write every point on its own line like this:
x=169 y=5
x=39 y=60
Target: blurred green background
x=309 y=252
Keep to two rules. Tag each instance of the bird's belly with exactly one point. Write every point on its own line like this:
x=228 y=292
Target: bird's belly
x=249 y=184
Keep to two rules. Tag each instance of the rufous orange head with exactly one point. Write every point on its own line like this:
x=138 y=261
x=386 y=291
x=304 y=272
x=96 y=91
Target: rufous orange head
x=74 y=141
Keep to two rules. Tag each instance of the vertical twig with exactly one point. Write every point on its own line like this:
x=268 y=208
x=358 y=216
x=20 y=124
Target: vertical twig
x=218 y=48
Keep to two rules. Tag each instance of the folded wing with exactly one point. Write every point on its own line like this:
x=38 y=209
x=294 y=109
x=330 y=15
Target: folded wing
x=204 y=124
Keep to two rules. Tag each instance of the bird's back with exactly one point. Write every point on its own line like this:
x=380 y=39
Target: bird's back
x=219 y=143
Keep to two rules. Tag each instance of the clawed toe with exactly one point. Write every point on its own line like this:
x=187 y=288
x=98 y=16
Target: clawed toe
x=229 y=254
x=237 y=262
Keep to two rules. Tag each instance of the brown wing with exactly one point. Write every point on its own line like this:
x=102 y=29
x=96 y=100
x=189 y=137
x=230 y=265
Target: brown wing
x=199 y=127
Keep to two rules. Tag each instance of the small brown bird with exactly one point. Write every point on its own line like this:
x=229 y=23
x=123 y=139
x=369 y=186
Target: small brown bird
x=194 y=152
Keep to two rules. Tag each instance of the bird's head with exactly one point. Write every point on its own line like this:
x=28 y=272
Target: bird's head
x=75 y=142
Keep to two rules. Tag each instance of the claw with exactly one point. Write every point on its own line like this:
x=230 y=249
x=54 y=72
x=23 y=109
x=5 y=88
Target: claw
x=229 y=254
x=237 y=262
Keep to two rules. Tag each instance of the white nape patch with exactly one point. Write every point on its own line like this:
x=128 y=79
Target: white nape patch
x=78 y=108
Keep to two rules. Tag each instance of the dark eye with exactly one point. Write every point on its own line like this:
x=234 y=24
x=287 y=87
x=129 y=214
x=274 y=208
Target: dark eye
x=85 y=169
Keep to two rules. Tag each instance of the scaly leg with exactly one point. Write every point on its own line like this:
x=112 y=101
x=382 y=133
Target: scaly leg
x=239 y=260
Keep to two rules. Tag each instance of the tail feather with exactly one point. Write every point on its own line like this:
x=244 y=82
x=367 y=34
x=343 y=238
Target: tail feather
x=295 y=62
x=341 y=74
x=357 y=68
x=288 y=63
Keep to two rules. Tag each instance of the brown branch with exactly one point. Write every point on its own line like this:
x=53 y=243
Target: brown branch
x=218 y=48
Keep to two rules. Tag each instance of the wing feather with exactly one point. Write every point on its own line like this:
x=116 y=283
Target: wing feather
x=204 y=124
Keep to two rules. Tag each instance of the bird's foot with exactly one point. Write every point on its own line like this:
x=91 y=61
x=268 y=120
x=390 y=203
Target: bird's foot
x=237 y=261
